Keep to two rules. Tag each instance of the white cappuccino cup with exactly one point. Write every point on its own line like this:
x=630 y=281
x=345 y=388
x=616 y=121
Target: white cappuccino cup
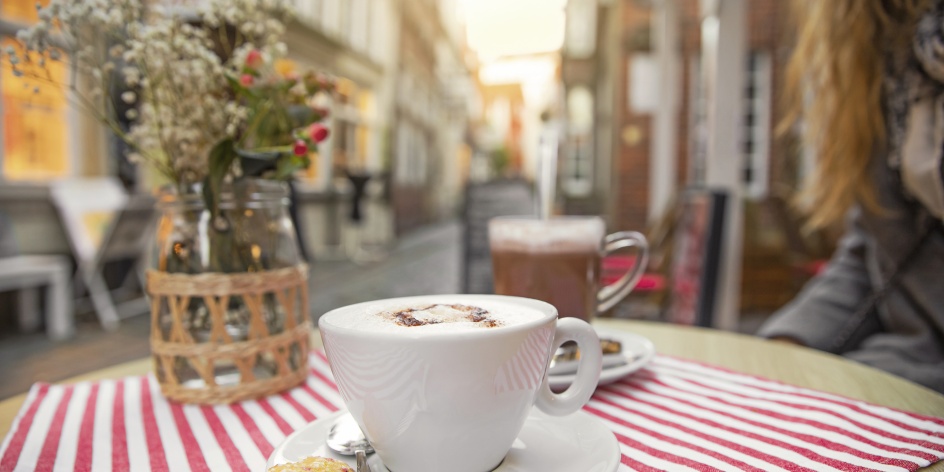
x=446 y=382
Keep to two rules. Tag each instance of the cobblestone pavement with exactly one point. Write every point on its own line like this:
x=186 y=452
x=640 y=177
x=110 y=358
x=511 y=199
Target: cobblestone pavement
x=425 y=262
x=429 y=262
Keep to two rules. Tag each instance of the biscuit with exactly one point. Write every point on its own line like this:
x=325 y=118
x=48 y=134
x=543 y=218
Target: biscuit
x=313 y=464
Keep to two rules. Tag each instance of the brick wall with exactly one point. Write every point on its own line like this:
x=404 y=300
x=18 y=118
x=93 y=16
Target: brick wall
x=767 y=31
x=631 y=160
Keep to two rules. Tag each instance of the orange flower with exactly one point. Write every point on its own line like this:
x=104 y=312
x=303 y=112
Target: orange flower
x=285 y=67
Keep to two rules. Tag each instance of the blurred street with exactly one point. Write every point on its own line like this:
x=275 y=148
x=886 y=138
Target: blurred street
x=424 y=262
x=433 y=116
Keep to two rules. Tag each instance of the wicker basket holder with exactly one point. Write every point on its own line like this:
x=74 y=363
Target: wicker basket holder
x=171 y=295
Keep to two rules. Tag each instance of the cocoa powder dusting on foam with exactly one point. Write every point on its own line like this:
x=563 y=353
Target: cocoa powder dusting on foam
x=471 y=313
x=406 y=318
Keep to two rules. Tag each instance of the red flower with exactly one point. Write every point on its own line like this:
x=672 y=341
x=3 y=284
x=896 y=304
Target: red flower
x=254 y=59
x=300 y=148
x=246 y=80
x=317 y=132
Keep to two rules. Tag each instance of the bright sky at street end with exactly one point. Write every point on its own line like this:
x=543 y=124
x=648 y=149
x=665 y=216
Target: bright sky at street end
x=514 y=27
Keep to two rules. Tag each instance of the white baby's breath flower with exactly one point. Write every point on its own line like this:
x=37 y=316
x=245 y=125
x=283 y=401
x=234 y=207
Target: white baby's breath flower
x=281 y=49
x=179 y=82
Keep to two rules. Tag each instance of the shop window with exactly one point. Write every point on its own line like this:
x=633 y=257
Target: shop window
x=23 y=11
x=35 y=121
x=412 y=159
x=352 y=124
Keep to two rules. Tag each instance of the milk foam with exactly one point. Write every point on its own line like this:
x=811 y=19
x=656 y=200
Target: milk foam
x=555 y=235
x=436 y=316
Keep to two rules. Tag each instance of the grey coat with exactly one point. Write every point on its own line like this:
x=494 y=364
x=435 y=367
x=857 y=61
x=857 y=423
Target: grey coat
x=904 y=333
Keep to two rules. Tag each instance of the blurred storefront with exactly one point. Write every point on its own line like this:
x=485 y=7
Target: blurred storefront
x=44 y=140
x=637 y=106
x=399 y=126
x=632 y=72
x=398 y=121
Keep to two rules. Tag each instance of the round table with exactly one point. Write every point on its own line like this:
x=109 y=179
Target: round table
x=747 y=354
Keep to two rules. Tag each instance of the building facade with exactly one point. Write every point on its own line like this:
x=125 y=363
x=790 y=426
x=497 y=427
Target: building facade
x=665 y=95
x=619 y=58
x=401 y=116
x=398 y=123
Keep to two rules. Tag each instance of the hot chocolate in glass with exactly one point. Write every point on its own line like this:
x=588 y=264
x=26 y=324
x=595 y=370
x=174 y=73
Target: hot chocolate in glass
x=559 y=261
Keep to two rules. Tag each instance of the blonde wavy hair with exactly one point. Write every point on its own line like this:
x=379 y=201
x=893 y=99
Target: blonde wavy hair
x=834 y=86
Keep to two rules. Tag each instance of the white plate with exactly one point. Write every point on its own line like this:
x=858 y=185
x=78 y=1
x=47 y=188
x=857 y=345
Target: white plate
x=637 y=350
x=577 y=442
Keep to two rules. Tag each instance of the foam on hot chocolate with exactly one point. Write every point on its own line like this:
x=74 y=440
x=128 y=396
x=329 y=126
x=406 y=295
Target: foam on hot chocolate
x=557 y=235
x=436 y=316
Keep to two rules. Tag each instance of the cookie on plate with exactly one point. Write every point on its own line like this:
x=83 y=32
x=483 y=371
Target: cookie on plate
x=313 y=464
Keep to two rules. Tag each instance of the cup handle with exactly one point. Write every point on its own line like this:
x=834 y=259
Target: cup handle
x=612 y=294
x=588 y=370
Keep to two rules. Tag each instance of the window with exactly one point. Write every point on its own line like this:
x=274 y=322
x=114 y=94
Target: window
x=360 y=20
x=756 y=134
x=698 y=123
x=350 y=143
x=377 y=19
x=344 y=22
x=755 y=148
x=580 y=34
x=577 y=166
x=413 y=153
x=331 y=17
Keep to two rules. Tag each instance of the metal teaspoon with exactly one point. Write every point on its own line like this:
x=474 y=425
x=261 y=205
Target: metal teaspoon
x=346 y=438
x=361 y=461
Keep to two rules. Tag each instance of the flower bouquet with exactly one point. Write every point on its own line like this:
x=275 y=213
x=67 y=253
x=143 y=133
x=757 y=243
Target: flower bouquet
x=205 y=96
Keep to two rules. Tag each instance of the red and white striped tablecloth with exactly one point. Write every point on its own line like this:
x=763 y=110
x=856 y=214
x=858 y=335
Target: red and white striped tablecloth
x=672 y=415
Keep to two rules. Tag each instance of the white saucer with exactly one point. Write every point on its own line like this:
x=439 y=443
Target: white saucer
x=546 y=444
x=637 y=350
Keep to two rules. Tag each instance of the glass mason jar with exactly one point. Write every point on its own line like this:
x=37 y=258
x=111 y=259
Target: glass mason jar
x=222 y=280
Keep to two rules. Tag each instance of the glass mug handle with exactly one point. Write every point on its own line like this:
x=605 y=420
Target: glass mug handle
x=588 y=370
x=612 y=294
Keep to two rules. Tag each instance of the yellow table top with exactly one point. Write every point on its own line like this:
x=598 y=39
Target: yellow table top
x=747 y=354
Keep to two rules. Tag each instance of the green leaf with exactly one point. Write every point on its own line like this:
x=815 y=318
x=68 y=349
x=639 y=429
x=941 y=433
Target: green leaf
x=238 y=88
x=221 y=160
x=289 y=164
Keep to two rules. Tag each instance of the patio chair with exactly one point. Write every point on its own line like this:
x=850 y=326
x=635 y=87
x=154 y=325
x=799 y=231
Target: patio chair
x=105 y=225
x=28 y=275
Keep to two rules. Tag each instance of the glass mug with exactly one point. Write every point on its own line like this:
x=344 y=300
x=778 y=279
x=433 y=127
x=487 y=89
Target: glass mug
x=559 y=261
